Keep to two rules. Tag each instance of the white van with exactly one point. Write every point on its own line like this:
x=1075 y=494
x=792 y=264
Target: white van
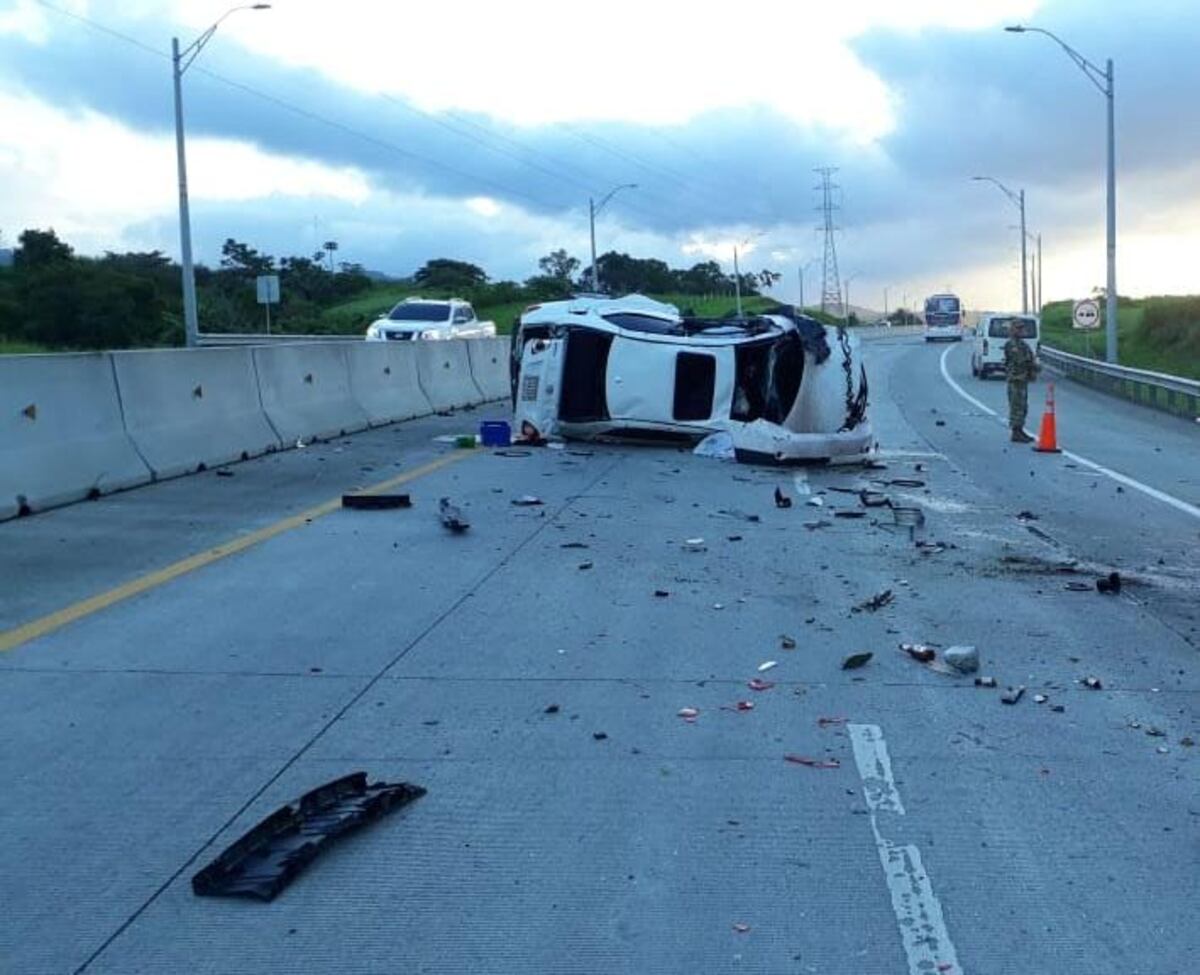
x=987 y=353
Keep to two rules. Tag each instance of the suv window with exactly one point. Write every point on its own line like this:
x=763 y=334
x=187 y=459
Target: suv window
x=998 y=328
x=695 y=383
x=418 y=312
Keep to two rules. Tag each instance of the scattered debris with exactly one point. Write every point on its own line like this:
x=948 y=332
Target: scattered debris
x=551 y=709
x=741 y=515
x=1155 y=732
x=376 y=502
x=1026 y=516
x=873 y=499
x=574 y=545
x=787 y=642
x=694 y=545
x=1187 y=742
x=661 y=593
x=689 y=714
x=718 y=605
x=781 y=499
x=1057 y=708
x=739 y=927
x=814 y=525
x=856 y=660
x=985 y=681
x=1040 y=699
x=812 y=762
x=908 y=517
x=757 y=684
x=830 y=722
x=1077 y=587
x=1109 y=585
x=849 y=514
x=1013 y=694
x=584 y=566
x=906 y=482
x=224 y=472
x=939 y=423
x=918 y=651
x=452 y=518
x=527 y=501
x=599 y=735
x=1161 y=749
x=718 y=446
x=266 y=859
x=1092 y=683
x=512 y=453
x=815 y=502
x=767 y=665
x=878 y=601
x=744 y=705
x=963 y=659
x=733 y=538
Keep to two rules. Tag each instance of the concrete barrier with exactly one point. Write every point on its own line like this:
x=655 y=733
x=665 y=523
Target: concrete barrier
x=188 y=409
x=445 y=371
x=384 y=381
x=62 y=434
x=489 y=367
x=305 y=391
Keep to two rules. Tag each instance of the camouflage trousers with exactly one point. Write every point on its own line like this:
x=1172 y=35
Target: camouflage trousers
x=1018 y=403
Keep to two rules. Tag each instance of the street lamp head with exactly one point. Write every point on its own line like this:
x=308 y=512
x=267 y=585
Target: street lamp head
x=261 y=6
x=979 y=178
x=1015 y=29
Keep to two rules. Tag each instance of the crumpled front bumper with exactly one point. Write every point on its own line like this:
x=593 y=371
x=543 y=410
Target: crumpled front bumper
x=761 y=442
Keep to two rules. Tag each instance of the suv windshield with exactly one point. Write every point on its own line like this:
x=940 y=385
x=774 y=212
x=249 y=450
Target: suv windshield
x=999 y=327
x=420 y=313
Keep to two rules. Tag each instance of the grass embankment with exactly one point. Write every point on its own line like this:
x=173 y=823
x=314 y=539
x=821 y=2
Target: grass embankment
x=1161 y=334
x=353 y=317
x=9 y=347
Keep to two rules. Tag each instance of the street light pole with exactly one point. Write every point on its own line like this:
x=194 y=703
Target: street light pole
x=1104 y=81
x=1018 y=200
x=593 y=209
x=181 y=60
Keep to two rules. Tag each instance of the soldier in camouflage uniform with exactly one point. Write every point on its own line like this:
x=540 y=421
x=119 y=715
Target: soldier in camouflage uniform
x=1020 y=368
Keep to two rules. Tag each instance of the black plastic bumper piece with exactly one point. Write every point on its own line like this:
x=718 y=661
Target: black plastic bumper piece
x=267 y=858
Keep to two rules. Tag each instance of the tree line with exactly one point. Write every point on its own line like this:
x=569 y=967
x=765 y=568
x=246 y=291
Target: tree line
x=53 y=297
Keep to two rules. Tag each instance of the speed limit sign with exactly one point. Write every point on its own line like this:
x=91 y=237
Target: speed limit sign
x=1086 y=314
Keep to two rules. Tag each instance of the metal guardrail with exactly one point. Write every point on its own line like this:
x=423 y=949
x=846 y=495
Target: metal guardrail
x=1173 y=394
x=218 y=339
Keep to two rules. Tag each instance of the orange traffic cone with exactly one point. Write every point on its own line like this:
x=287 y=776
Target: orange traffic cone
x=1047 y=441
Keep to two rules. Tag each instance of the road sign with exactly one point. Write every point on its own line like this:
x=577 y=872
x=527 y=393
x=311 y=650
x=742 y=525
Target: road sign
x=268 y=289
x=1086 y=314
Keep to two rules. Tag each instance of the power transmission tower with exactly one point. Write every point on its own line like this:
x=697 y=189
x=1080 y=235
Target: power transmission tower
x=831 y=286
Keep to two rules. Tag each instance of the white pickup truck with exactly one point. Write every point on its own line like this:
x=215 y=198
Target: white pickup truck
x=430 y=319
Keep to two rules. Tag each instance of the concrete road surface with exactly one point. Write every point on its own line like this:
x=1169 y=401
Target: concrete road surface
x=181 y=660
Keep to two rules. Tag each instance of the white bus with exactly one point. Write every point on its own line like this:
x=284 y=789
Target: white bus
x=943 y=318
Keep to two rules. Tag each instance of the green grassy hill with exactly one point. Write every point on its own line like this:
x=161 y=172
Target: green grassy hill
x=1159 y=333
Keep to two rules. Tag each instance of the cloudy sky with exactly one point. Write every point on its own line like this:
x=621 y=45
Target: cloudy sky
x=478 y=130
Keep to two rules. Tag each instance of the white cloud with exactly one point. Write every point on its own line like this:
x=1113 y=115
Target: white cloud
x=89 y=175
x=541 y=61
x=485 y=206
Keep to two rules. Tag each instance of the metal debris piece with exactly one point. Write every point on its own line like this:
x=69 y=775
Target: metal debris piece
x=689 y=714
x=1155 y=732
x=812 y=762
x=781 y=499
x=830 y=722
x=452 y=518
x=1110 y=585
x=1040 y=699
x=815 y=502
x=767 y=665
x=985 y=681
x=694 y=545
x=599 y=735
x=527 y=501
x=584 y=566
x=919 y=651
x=873 y=499
x=878 y=601
x=787 y=642
x=744 y=706
x=512 y=453
x=856 y=660
x=906 y=482
x=551 y=709
x=266 y=859
x=849 y=514
x=1093 y=684
x=574 y=545
x=734 y=538
x=224 y=472
x=741 y=928
x=1013 y=694
x=661 y=593
x=1187 y=742
x=1057 y=708
x=375 y=502
x=1026 y=516
x=814 y=525
x=758 y=684
x=1077 y=587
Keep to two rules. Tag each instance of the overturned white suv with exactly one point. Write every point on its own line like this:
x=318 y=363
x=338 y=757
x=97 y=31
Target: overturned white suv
x=787 y=389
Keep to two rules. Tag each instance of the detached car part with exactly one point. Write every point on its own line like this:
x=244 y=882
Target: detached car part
x=266 y=859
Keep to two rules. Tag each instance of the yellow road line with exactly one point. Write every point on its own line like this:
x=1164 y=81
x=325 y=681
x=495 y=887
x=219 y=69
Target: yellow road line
x=9 y=639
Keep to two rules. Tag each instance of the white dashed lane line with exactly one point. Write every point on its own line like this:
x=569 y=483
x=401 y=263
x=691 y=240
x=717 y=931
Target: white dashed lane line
x=1125 y=479
x=927 y=944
